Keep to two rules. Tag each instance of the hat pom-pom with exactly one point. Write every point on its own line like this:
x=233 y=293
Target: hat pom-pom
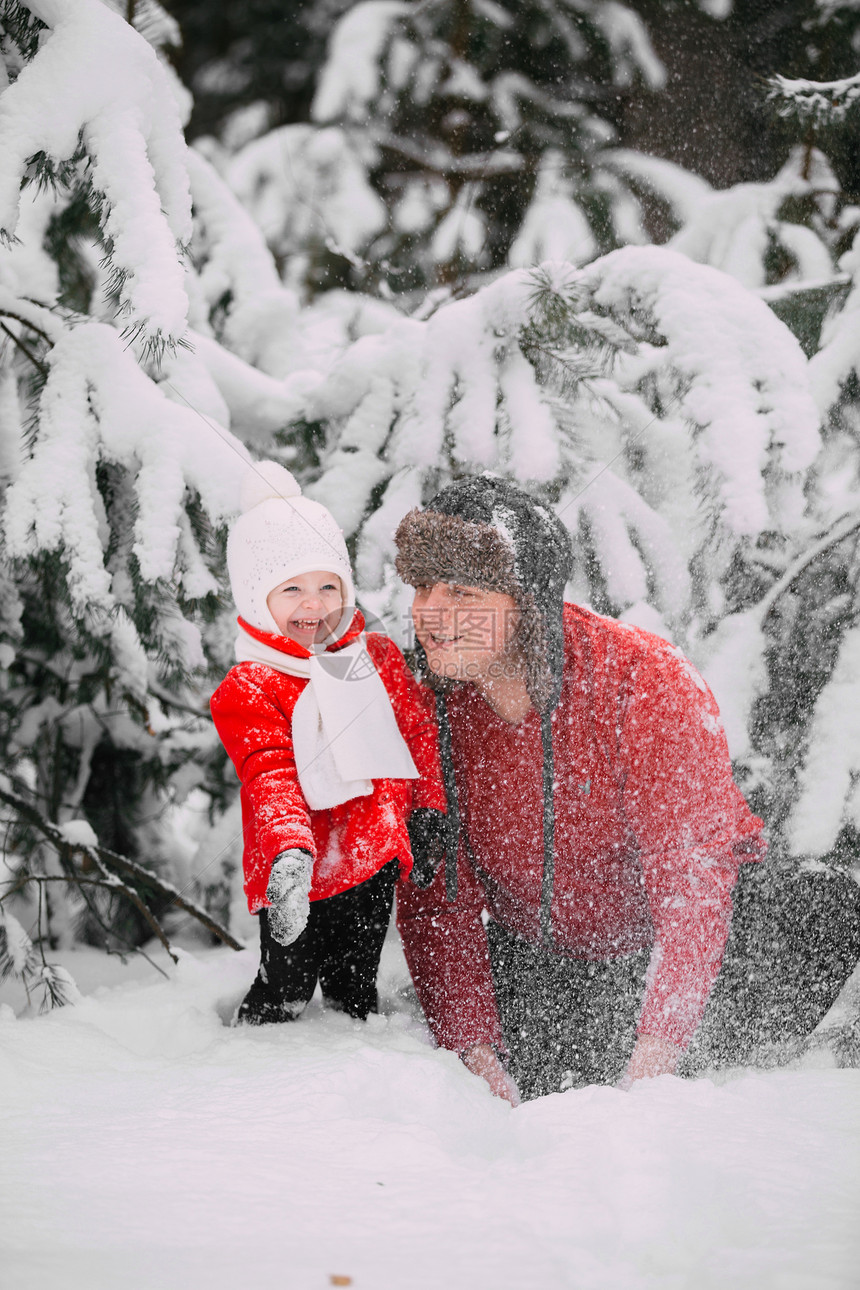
x=264 y=480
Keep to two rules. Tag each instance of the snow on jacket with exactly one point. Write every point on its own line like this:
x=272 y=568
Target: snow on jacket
x=649 y=832
x=252 y=710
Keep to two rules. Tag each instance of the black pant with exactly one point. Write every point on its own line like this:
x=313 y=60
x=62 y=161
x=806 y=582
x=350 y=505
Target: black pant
x=566 y=1022
x=340 y=948
x=794 y=942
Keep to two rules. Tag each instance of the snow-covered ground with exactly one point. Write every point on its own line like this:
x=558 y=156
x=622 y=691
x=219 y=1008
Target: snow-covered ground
x=147 y=1145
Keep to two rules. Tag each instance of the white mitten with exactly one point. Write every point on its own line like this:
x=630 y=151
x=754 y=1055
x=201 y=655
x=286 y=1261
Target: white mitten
x=289 y=884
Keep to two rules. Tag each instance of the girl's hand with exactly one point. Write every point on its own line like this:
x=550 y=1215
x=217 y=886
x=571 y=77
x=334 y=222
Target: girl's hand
x=289 y=884
x=482 y=1060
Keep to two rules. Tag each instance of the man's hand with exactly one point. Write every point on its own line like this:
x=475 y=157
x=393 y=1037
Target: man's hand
x=650 y=1057
x=482 y=1060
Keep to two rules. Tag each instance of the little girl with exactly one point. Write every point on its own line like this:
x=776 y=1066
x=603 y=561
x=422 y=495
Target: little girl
x=334 y=745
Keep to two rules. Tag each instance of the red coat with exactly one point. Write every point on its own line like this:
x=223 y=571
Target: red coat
x=650 y=830
x=252 y=710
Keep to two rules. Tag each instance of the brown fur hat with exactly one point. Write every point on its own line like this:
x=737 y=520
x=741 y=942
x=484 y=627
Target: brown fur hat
x=485 y=532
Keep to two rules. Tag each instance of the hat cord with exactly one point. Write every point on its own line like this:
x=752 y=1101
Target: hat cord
x=449 y=780
x=548 y=829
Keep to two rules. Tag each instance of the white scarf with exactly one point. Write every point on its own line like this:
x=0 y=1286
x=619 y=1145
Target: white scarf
x=344 y=730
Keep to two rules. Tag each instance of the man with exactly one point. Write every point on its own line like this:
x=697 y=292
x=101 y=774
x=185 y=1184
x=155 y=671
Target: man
x=594 y=831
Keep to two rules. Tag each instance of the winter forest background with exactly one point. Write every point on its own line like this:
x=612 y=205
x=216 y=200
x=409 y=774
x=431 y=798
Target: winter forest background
x=607 y=250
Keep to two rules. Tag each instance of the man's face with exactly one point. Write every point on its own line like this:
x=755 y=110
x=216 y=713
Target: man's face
x=465 y=631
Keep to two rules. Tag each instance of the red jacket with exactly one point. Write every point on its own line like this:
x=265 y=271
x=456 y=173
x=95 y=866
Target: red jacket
x=252 y=710
x=649 y=832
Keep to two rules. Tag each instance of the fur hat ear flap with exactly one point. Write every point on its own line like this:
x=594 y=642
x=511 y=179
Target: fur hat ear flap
x=543 y=661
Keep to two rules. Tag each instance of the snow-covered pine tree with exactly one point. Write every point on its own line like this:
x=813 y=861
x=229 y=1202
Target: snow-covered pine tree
x=791 y=241
x=487 y=123
x=784 y=234
x=308 y=191
x=118 y=466
x=806 y=723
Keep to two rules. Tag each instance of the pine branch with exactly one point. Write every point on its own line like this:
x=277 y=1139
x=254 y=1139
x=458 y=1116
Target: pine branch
x=555 y=297
x=171 y=701
x=823 y=102
x=25 y=322
x=566 y=341
x=21 y=27
x=115 y=867
x=58 y=985
x=566 y=30
x=35 y=317
x=438 y=160
x=842 y=529
x=19 y=883
x=25 y=350
x=17 y=953
x=567 y=368
x=151 y=20
x=113 y=883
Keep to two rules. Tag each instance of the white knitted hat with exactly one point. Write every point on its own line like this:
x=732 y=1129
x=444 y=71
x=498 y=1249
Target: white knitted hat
x=279 y=535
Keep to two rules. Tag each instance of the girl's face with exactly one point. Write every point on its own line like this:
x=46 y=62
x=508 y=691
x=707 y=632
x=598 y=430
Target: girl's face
x=465 y=631
x=307 y=608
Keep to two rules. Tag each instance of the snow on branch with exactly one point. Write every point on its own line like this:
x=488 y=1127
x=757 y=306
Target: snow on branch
x=829 y=795
x=302 y=184
x=87 y=863
x=152 y=20
x=18 y=958
x=819 y=101
x=837 y=358
x=34 y=317
x=257 y=404
x=96 y=90
x=446 y=385
x=737 y=374
x=17 y=955
x=681 y=190
x=98 y=406
x=351 y=77
x=732 y=657
x=630 y=46
x=236 y=260
x=555 y=226
x=663 y=406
